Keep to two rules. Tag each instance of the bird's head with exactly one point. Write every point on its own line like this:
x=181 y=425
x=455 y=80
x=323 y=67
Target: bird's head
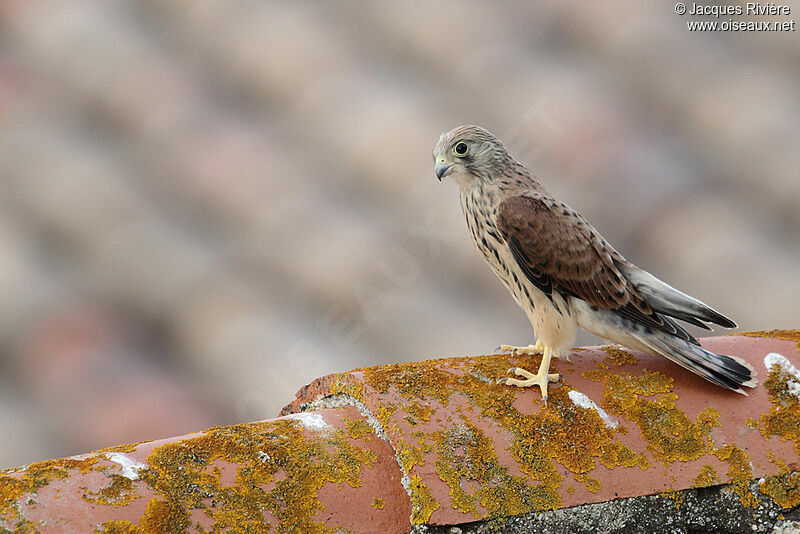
x=468 y=153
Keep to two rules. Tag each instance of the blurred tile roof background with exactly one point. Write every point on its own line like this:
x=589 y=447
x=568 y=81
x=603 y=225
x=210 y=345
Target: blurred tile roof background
x=205 y=205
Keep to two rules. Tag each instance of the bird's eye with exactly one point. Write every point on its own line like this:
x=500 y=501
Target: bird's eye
x=460 y=149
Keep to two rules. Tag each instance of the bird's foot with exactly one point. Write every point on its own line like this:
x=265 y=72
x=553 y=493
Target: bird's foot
x=541 y=379
x=530 y=350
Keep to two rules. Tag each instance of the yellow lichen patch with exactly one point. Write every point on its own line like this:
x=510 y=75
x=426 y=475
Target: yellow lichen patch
x=126 y=447
x=669 y=433
x=706 y=477
x=618 y=356
x=385 y=411
x=185 y=476
x=345 y=384
x=422 y=502
x=675 y=495
x=358 y=428
x=37 y=475
x=787 y=335
x=648 y=400
x=409 y=456
x=467 y=462
x=420 y=411
x=784 y=489
x=708 y=419
x=592 y=484
x=420 y=380
x=121 y=492
x=783 y=418
x=120 y=527
x=159 y=517
x=378 y=504
x=739 y=471
x=563 y=434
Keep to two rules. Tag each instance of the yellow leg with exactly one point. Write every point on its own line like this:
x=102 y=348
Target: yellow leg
x=541 y=378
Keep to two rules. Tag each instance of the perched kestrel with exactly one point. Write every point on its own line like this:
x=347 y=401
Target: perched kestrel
x=564 y=274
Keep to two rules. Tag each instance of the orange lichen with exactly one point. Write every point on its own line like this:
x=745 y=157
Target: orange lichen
x=618 y=356
x=35 y=476
x=564 y=434
x=706 y=477
x=125 y=447
x=358 y=428
x=669 y=433
x=121 y=492
x=120 y=527
x=187 y=476
x=419 y=380
x=409 y=455
x=783 y=418
x=422 y=502
x=787 y=335
x=676 y=496
x=467 y=462
x=783 y=489
x=739 y=471
x=345 y=384
x=385 y=411
x=418 y=410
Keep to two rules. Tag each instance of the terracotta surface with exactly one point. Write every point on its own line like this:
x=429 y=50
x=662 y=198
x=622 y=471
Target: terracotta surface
x=302 y=472
x=441 y=444
x=674 y=432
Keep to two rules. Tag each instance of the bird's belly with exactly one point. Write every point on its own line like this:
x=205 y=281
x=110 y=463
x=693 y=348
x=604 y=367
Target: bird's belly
x=606 y=325
x=556 y=327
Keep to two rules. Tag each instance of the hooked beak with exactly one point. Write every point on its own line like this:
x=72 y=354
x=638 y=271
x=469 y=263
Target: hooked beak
x=442 y=169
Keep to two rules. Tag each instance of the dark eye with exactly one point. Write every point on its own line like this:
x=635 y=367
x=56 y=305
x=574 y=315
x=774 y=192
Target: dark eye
x=460 y=149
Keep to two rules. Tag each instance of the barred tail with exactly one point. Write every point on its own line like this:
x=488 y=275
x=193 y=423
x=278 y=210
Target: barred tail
x=726 y=371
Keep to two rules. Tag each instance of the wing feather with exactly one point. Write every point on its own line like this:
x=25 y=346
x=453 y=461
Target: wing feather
x=558 y=250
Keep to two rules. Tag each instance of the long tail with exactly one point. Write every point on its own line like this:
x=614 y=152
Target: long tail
x=727 y=371
x=665 y=299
